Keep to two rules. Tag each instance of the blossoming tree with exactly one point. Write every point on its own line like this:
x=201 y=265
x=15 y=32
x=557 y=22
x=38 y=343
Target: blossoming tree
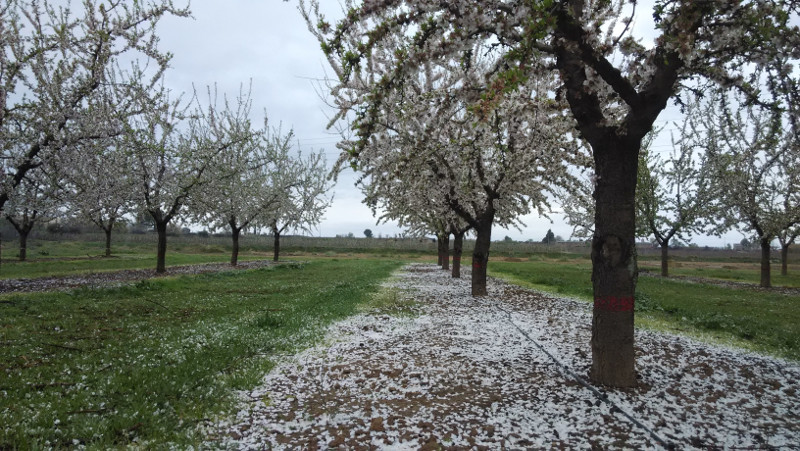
x=173 y=146
x=616 y=85
x=55 y=60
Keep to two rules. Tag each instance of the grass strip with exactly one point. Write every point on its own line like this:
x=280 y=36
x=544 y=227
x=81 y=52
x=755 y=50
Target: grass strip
x=759 y=320
x=145 y=364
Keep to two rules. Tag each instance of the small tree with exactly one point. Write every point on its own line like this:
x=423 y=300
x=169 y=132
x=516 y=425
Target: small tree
x=55 y=61
x=673 y=196
x=35 y=200
x=755 y=164
x=368 y=233
x=301 y=206
x=172 y=153
x=549 y=238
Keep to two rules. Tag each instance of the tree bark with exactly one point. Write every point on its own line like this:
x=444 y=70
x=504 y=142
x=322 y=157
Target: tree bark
x=614 y=263
x=665 y=258
x=23 y=244
x=235 y=232
x=107 y=230
x=458 y=248
x=784 y=259
x=480 y=255
x=446 y=252
x=765 y=266
x=439 y=244
x=161 y=253
x=276 y=248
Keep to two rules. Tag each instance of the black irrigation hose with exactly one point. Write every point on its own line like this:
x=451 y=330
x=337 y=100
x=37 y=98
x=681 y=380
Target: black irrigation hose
x=600 y=395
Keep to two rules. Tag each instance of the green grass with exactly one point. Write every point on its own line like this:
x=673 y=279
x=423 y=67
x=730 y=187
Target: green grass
x=145 y=364
x=750 y=273
x=763 y=321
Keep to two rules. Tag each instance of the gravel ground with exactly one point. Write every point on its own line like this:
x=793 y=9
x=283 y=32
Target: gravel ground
x=474 y=373
x=111 y=278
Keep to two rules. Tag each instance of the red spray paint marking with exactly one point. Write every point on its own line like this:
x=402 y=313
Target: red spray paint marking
x=476 y=265
x=614 y=303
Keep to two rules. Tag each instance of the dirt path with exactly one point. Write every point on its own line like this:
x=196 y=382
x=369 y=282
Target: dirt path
x=460 y=374
x=110 y=278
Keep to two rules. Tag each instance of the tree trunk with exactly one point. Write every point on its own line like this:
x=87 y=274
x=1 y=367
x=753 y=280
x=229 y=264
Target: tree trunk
x=765 y=269
x=439 y=244
x=480 y=255
x=161 y=255
x=235 y=232
x=276 y=248
x=23 y=244
x=108 y=239
x=446 y=252
x=784 y=259
x=614 y=263
x=665 y=258
x=458 y=248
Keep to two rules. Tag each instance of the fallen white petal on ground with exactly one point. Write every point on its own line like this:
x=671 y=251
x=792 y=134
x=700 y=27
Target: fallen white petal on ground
x=460 y=374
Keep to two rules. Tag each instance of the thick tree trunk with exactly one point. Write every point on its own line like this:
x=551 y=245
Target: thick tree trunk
x=446 y=252
x=235 y=232
x=161 y=253
x=108 y=239
x=665 y=259
x=23 y=244
x=784 y=259
x=480 y=255
x=765 y=267
x=458 y=248
x=276 y=247
x=614 y=264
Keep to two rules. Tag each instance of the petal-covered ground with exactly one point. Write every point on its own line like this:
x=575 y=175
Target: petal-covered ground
x=505 y=371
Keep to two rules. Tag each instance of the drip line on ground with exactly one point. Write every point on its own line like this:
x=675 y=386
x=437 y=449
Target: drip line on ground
x=566 y=372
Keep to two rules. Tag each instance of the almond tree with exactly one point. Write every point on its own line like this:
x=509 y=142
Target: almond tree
x=492 y=163
x=36 y=199
x=755 y=163
x=616 y=85
x=173 y=146
x=54 y=60
x=299 y=194
x=786 y=238
x=250 y=181
x=98 y=183
x=673 y=196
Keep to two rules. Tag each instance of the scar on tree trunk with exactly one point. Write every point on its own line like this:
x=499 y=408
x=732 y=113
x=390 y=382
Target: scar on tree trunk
x=614 y=266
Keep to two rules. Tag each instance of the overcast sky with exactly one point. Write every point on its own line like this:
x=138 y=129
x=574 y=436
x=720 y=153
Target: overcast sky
x=233 y=42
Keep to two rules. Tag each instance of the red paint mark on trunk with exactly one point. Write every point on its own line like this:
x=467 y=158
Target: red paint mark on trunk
x=614 y=303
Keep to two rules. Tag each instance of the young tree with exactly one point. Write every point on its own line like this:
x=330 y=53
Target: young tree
x=35 y=200
x=54 y=60
x=172 y=153
x=99 y=184
x=616 y=86
x=755 y=163
x=786 y=237
x=302 y=204
x=673 y=196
